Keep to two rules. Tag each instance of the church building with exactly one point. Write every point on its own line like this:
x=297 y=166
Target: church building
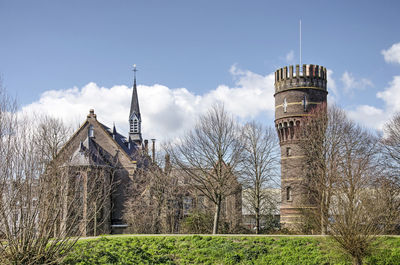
x=96 y=151
x=95 y=145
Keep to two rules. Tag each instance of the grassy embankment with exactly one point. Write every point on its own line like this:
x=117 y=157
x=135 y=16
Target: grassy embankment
x=223 y=250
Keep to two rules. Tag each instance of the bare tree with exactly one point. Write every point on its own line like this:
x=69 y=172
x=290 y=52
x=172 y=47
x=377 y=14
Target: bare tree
x=391 y=143
x=341 y=172
x=210 y=155
x=51 y=135
x=260 y=170
x=322 y=134
x=154 y=204
x=390 y=181
x=355 y=213
x=42 y=200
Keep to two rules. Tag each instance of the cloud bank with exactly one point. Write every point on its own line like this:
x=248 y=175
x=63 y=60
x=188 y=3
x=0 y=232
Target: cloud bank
x=166 y=112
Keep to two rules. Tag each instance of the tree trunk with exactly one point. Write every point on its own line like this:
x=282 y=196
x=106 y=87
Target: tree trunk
x=85 y=202
x=323 y=215
x=216 y=215
x=257 y=221
x=357 y=261
x=257 y=207
x=323 y=225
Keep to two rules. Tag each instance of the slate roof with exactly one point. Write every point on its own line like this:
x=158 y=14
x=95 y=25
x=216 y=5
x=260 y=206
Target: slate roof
x=134 y=102
x=90 y=153
x=132 y=150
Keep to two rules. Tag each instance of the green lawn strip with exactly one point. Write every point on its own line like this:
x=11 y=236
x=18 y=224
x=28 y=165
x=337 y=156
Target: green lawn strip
x=220 y=250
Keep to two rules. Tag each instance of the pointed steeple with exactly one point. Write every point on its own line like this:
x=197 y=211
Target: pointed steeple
x=114 y=132
x=134 y=101
x=135 y=121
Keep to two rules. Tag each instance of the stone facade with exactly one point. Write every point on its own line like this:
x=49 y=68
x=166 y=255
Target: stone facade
x=93 y=146
x=296 y=93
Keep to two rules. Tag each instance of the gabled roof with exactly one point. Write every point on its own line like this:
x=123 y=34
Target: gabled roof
x=119 y=140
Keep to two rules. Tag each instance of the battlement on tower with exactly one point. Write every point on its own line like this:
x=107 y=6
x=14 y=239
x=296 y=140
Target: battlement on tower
x=311 y=76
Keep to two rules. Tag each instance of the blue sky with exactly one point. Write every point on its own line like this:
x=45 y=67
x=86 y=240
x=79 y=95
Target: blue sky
x=65 y=57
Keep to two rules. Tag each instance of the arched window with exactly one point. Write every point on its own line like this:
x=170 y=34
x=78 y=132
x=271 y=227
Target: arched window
x=288 y=193
x=131 y=126
x=135 y=126
x=291 y=129
x=91 y=131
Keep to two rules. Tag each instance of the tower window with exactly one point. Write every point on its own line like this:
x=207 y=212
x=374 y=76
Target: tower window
x=288 y=151
x=284 y=105
x=288 y=193
x=131 y=126
x=91 y=131
x=305 y=103
x=135 y=126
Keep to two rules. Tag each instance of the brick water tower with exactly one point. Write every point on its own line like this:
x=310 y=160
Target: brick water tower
x=296 y=93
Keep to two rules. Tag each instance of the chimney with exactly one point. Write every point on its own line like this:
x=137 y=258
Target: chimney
x=154 y=150
x=167 y=167
x=146 y=146
x=91 y=114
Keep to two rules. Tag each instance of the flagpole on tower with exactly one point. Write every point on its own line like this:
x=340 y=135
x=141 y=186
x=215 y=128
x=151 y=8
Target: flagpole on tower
x=300 y=42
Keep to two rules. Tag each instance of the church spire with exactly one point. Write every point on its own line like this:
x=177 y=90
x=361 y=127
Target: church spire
x=135 y=121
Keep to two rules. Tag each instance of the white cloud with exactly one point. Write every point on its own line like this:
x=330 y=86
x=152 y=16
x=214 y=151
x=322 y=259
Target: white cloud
x=333 y=95
x=166 y=112
x=369 y=116
x=392 y=55
x=290 y=57
x=391 y=95
x=350 y=83
x=376 y=117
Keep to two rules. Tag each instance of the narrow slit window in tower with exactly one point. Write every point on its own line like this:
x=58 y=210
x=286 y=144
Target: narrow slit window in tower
x=288 y=151
x=284 y=105
x=288 y=193
x=305 y=103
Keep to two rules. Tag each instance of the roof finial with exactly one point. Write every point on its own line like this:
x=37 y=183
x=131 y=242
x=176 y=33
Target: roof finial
x=134 y=73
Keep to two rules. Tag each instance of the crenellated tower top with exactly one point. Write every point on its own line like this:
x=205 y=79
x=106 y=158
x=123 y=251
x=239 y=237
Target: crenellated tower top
x=311 y=76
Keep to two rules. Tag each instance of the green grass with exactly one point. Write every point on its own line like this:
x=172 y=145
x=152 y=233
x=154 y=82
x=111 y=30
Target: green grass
x=222 y=250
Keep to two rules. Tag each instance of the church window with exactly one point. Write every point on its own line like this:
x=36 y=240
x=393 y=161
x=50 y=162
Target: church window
x=131 y=126
x=91 y=131
x=288 y=193
x=187 y=204
x=135 y=126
